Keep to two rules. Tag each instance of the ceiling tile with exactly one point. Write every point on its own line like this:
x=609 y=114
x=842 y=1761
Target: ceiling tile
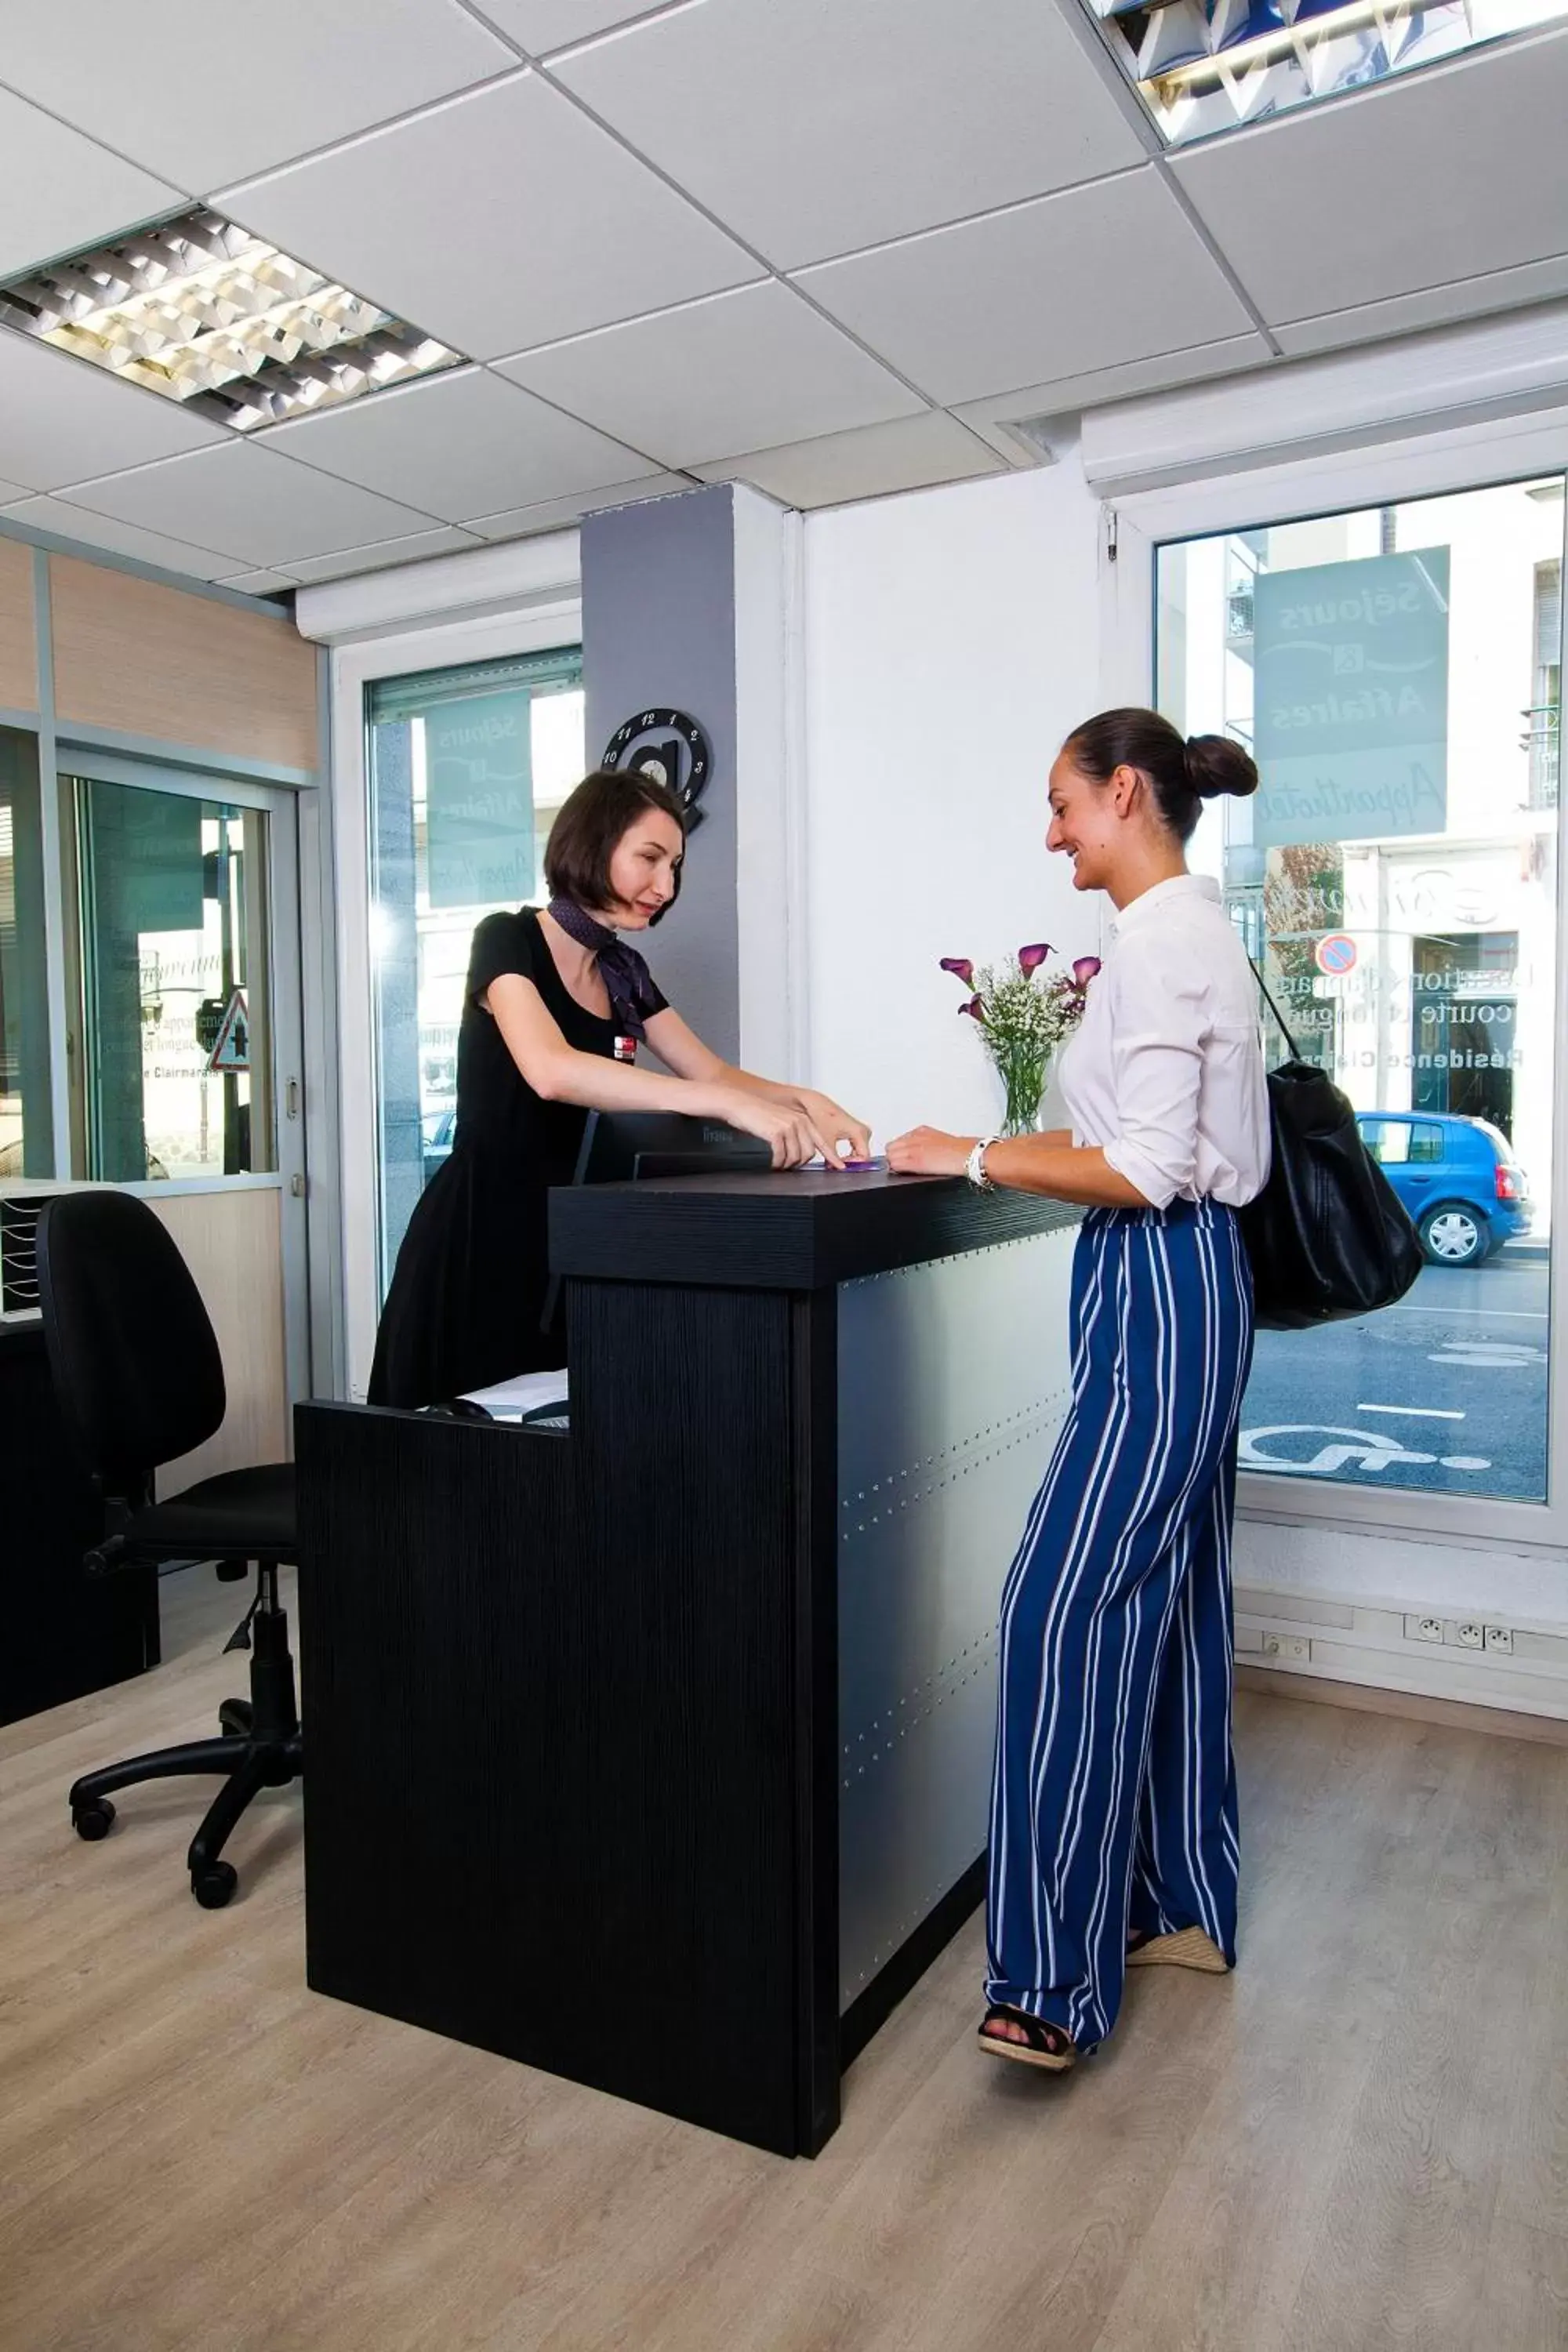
x=257 y=584
x=1435 y=306
x=1453 y=172
x=747 y=371
x=910 y=454
x=1071 y=283
x=830 y=124
x=59 y=191
x=61 y=419
x=1067 y=395
x=458 y=445
x=350 y=560
x=501 y=221
x=68 y=522
x=541 y=25
x=9 y=491
x=265 y=509
x=209 y=90
x=554 y=513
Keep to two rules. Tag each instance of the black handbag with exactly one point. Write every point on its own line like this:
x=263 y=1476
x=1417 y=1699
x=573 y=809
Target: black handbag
x=1328 y=1236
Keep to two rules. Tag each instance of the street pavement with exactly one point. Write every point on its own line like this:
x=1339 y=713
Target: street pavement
x=1447 y=1391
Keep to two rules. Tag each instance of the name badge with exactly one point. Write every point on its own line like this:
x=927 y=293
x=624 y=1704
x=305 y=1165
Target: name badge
x=625 y=1049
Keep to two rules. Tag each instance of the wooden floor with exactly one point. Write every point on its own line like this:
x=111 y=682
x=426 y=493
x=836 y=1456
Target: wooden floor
x=1360 y=2140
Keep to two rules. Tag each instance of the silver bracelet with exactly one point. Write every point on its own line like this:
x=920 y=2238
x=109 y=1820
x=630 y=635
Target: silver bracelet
x=976 y=1169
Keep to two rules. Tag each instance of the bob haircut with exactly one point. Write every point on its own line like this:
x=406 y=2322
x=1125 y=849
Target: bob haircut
x=590 y=828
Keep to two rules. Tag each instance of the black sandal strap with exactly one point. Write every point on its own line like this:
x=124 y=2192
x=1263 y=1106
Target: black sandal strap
x=1047 y=2040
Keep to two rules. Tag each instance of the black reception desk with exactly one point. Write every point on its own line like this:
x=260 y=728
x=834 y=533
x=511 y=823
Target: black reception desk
x=656 y=1753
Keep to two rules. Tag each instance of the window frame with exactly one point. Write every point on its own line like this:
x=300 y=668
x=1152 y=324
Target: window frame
x=551 y=618
x=1489 y=455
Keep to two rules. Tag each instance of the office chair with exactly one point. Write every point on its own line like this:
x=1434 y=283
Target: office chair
x=140 y=1380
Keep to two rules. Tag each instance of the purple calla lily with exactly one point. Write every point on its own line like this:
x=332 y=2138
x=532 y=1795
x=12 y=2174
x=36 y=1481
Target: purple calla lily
x=1084 y=970
x=1030 y=959
x=961 y=968
x=975 y=1008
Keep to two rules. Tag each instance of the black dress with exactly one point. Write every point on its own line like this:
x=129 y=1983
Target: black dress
x=469 y=1291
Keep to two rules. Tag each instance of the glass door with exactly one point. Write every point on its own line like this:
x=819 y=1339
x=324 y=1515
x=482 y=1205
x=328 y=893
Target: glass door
x=185 y=1043
x=1396 y=672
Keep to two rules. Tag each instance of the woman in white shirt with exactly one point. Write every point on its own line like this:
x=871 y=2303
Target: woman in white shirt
x=1113 y=1824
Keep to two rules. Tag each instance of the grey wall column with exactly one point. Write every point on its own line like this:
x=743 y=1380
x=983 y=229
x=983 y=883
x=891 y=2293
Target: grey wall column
x=683 y=606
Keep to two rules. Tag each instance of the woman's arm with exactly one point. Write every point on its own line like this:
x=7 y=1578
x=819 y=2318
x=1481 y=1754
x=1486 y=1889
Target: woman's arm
x=1052 y=1164
x=556 y=1071
x=680 y=1049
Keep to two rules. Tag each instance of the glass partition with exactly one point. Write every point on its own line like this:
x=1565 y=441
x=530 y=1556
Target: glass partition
x=1396 y=674
x=466 y=770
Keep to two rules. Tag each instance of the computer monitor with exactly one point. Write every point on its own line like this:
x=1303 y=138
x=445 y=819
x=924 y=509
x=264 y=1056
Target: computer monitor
x=622 y=1147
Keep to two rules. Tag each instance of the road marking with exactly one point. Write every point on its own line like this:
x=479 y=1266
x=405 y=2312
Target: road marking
x=1415 y=1411
x=1366 y=1451
x=1498 y=1351
x=1497 y=1313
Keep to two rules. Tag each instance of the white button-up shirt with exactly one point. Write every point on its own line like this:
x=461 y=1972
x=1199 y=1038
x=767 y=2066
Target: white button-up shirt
x=1166 y=1069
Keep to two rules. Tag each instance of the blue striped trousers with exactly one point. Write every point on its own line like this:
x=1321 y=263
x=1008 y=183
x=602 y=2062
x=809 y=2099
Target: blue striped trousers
x=1113 y=1797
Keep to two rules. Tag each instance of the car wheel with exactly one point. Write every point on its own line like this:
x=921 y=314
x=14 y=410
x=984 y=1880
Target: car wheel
x=1453 y=1235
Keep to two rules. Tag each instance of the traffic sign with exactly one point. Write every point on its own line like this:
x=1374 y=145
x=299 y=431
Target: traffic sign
x=231 y=1053
x=1336 y=955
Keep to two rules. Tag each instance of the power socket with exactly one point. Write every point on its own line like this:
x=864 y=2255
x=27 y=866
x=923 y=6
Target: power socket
x=1501 y=1638
x=1296 y=1646
x=1423 y=1628
x=1467 y=1634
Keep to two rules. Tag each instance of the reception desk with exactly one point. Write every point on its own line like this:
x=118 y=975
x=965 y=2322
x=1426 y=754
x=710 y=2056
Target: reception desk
x=656 y=1751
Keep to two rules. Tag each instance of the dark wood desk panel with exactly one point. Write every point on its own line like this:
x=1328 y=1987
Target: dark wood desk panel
x=566 y=1799
x=800 y=1231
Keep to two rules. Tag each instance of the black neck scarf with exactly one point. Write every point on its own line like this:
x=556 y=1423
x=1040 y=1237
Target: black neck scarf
x=632 y=995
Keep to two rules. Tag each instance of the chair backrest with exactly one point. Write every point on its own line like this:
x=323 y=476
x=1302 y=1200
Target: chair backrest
x=134 y=1357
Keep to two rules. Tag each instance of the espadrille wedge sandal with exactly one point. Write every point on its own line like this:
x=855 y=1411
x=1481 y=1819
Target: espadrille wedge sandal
x=1043 y=2045
x=1189 y=1948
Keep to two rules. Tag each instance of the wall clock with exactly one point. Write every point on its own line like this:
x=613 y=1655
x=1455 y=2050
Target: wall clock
x=669 y=746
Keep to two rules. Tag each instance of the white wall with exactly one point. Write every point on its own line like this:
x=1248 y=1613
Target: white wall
x=951 y=640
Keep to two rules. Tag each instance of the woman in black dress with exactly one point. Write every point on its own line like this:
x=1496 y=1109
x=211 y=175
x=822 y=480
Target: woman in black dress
x=553 y=1011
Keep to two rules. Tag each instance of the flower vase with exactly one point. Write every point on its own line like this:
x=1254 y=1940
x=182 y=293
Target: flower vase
x=1024 y=1078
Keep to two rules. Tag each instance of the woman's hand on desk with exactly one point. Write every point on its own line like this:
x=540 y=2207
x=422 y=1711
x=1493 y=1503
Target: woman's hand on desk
x=841 y=1126
x=784 y=1126
x=927 y=1151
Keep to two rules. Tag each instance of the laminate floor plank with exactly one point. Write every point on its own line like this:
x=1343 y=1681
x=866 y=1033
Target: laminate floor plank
x=1360 y=2140
x=1400 y=2250
x=1524 y=2291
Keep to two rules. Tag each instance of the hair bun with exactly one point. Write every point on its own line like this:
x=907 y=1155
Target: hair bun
x=1216 y=765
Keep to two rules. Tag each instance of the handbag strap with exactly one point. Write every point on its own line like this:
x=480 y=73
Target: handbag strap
x=1268 y=1000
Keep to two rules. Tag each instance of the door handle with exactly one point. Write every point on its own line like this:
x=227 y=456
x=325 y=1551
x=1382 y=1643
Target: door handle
x=291 y=1099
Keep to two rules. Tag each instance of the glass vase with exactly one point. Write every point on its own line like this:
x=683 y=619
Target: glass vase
x=1022 y=1076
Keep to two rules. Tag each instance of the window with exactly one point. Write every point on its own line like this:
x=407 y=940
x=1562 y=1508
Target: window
x=1398 y=872
x=1387 y=1140
x=174 y=1078
x=27 y=1133
x=468 y=769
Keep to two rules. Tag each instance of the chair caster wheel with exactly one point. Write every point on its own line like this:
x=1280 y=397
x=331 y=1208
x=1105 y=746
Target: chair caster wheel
x=213 y=1884
x=93 y=1820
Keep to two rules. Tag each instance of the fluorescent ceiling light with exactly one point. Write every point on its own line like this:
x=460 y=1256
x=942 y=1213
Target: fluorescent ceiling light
x=1206 y=65
x=203 y=312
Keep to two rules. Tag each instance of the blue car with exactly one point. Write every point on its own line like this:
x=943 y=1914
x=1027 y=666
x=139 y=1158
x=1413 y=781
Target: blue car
x=1465 y=1192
